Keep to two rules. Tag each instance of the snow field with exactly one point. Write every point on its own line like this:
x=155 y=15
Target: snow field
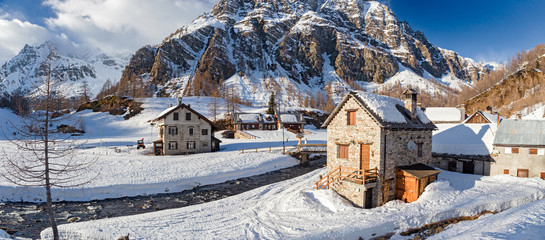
x=124 y=171
x=292 y=209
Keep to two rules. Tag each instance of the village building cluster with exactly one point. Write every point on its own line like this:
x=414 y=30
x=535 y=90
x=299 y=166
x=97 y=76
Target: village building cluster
x=381 y=148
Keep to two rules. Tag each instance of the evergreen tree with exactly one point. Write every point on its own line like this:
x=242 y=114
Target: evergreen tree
x=272 y=105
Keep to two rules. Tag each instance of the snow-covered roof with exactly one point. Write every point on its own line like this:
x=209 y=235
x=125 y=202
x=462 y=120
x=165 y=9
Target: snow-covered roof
x=464 y=139
x=268 y=118
x=521 y=133
x=444 y=114
x=248 y=118
x=166 y=111
x=288 y=118
x=389 y=112
x=169 y=110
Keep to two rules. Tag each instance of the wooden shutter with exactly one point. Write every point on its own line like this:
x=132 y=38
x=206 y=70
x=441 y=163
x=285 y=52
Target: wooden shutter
x=343 y=151
x=533 y=151
x=542 y=175
x=351 y=117
x=505 y=171
x=514 y=150
x=365 y=153
x=522 y=173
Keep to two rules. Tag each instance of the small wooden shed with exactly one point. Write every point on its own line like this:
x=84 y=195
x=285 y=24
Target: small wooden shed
x=412 y=180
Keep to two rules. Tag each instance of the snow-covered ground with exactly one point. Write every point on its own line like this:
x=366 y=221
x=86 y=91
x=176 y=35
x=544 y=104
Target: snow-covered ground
x=521 y=222
x=293 y=209
x=125 y=171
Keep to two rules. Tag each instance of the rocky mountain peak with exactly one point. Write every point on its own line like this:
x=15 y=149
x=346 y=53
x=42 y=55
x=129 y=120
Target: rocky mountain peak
x=24 y=71
x=294 y=48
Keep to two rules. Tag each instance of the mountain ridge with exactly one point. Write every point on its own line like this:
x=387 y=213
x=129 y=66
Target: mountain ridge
x=258 y=45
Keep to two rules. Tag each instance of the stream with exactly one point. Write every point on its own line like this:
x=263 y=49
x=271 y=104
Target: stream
x=27 y=220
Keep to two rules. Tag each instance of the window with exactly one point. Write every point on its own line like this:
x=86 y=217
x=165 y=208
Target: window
x=515 y=150
x=506 y=171
x=351 y=117
x=161 y=132
x=190 y=130
x=507 y=150
x=204 y=132
x=176 y=117
x=205 y=144
x=522 y=173
x=173 y=130
x=191 y=145
x=420 y=147
x=173 y=145
x=342 y=151
x=188 y=116
x=533 y=151
x=541 y=152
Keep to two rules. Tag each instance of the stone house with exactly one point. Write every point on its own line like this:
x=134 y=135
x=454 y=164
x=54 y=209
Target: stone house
x=183 y=130
x=368 y=138
x=254 y=121
x=519 y=149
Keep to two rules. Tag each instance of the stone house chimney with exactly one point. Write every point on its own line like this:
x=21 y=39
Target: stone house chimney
x=462 y=109
x=410 y=98
x=179 y=101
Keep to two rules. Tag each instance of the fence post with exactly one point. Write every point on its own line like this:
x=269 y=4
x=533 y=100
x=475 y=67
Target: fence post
x=270 y=150
x=256 y=150
x=242 y=150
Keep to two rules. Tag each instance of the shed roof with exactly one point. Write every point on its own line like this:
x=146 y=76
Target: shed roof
x=521 y=133
x=419 y=170
x=387 y=111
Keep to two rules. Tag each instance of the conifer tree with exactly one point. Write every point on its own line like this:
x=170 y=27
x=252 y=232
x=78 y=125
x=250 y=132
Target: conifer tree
x=272 y=104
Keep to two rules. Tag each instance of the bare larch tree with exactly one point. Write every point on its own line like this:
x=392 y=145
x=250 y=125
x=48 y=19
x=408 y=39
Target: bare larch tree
x=45 y=156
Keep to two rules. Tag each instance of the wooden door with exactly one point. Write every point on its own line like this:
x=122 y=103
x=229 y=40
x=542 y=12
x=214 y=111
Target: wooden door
x=369 y=198
x=365 y=157
x=406 y=187
x=469 y=167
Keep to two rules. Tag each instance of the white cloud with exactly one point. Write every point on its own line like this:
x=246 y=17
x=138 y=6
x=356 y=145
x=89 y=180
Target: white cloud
x=16 y=33
x=122 y=26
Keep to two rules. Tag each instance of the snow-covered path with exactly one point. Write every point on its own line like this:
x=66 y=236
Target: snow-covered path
x=292 y=209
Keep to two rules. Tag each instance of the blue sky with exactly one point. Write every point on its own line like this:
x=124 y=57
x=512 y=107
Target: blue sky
x=480 y=29
x=484 y=30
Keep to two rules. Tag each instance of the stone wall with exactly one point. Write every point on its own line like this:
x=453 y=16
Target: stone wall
x=365 y=131
x=398 y=154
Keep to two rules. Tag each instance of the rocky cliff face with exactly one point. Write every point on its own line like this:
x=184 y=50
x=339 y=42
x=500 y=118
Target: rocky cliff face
x=25 y=71
x=292 y=47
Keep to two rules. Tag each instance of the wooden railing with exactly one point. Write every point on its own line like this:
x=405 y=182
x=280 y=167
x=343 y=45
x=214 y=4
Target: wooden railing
x=245 y=135
x=357 y=176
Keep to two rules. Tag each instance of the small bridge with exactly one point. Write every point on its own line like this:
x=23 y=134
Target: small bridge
x=301 y=151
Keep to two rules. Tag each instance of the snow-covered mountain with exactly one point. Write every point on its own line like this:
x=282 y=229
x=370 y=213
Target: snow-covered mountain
x=294 y=48
x=77 y=64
